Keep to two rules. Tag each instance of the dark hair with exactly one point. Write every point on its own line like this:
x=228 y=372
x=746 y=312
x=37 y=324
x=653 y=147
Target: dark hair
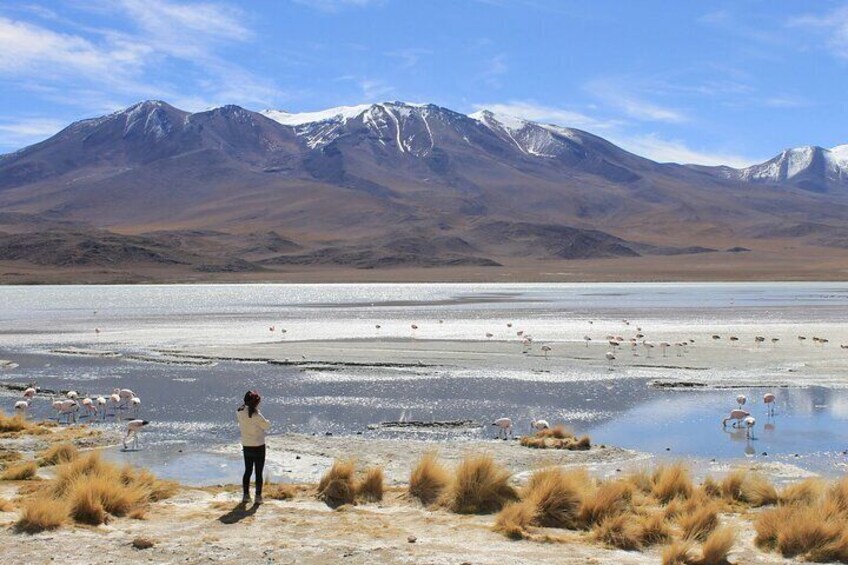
x=251 y=400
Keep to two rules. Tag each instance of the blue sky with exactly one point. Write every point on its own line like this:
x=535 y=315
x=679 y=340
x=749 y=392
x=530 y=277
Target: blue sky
x=709 y=82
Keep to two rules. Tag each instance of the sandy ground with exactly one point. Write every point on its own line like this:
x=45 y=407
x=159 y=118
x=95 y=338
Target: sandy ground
x=202 y=525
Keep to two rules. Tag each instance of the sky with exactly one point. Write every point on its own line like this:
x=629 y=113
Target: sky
x=713 y=82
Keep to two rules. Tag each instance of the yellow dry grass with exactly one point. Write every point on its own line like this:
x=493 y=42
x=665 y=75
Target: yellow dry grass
x=337 y=485
x=677 y=553
x=654 y=528
x=619 y=531
x=556 y=496
x=607 y=500
x=699 y=522
x=803 y=492
x=58 y=454
x=370 y=486
x=279 y=492
x=672 y=481
x=479 y=486
x=42 y=513
x=88 y=490
x=428 y=479
x=515 y=520
x=748 y=488
x=6 y=505
x=717 y=546
x=20 y=472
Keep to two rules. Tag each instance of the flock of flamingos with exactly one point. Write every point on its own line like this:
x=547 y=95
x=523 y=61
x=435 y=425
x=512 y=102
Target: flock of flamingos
x=125 y=401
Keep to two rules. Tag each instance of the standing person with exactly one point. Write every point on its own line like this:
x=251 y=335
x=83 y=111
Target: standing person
x=252 y=425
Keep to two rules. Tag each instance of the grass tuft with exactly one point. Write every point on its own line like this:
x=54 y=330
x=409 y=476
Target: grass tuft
x=672 y=481
x=515 y=519
x=806 y=492
x=748 y=488
x=479 y=486
x=429 y=478
x=608 y=500
x=556 y=496
x=699 y=523
x=20 y=472
x=58 y=454
x=42 y=513
x=620 y=531
x=654 y=529
x=370 y=486
x=279 y=492
x=337 y=485
x=678 y=553
x=717 y=546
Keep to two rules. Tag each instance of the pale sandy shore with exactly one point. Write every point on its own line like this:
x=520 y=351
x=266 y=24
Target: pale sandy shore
x=206 y=525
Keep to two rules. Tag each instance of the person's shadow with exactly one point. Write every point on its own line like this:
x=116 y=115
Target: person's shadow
x=239 y=513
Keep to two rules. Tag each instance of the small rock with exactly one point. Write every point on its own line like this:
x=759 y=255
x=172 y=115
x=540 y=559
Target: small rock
x=297 y=456
x=142 y=543
x=412 y=539
x=328 y=433
x=765 y=454
x=668 y=449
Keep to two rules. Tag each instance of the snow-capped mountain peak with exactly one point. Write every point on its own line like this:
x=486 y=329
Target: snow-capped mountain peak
x=810 y=167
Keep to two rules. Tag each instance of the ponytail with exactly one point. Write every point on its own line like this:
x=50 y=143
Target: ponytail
x=251 y=400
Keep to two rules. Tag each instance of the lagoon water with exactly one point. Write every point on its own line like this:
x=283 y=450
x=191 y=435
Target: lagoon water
x=191 y=407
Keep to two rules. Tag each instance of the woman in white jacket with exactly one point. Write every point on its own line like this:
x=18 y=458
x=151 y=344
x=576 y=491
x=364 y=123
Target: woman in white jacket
x=252 y=425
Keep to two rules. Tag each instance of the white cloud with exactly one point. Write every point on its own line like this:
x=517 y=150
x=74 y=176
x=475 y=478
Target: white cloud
x=335 y=6
x=24 y=132
x=619 y=95
x=375 y=89
x=833 y=26
x=663 y=150
x=93 y=67
x=410 y=57
x=547 y=114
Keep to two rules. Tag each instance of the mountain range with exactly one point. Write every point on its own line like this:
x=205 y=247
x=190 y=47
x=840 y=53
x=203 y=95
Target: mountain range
x=154 y=189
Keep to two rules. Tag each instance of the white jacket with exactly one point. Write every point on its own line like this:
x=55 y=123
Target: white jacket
x=252 y=428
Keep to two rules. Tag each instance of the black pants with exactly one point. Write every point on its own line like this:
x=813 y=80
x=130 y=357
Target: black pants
x=254 y=457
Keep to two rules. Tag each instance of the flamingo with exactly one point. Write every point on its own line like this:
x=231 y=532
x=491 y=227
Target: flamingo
x=72 y=394
x=759 y=339
x=664 y=346
x=69 y=408
x=125 y=395
x=90 y=407
x=716 y=337
x=587 y=339
x=733 y=338
x=736 y=414
x=546 y=349
x=768 y=400
x=509 y=324
x=133 y=427
x=57 y=407
x=21 y=407
x=504 y=426
x=114 y=403
x=775 y=339
x=801 y=339
x=135 y=403
x=29 y=393
x=539 y=425
x=750 y=422
x=741 y=400
x=101 y=406
x=489 y=335
x=611 y=358
x=377 y=326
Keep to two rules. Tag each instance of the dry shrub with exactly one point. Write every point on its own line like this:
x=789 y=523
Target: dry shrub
x=370 y=486
x=428 y=479
x=699 y=523
x=13 y=424
x=838 y=494
x=85 y=505
x=711 y=488
x=678 y=553
x=834 y=550
x=796 y=530
x=337 y=486
x=556 y=496
x=672 y=481
x=641 y=481
x=279 y=492
x=138 y=514
x=58 y=454
x=480 y=486
x=155 y=488
x=717 y=546
x=42 y=513
x=7 y=456
x=653 y=529
x=674 y=509
x=609 y=499
x=558 y=432
x=806 y=492
x=621 y=531
x=20 y=472
x=515 y=519
x=6 y=505
x=748 y=488
x=558 y=437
